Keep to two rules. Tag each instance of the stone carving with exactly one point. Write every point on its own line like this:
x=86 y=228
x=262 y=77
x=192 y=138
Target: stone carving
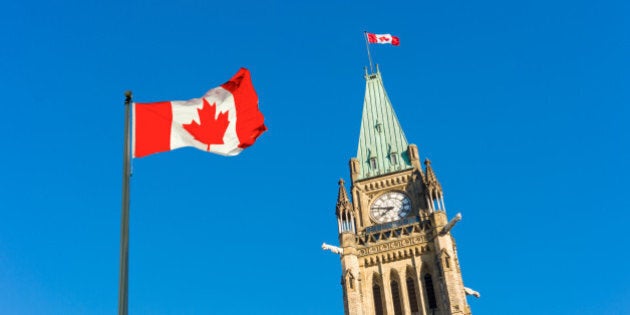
x=447 y=228
x=388 y=182
x=472 y=292
x=391 y=245
x=334 y=249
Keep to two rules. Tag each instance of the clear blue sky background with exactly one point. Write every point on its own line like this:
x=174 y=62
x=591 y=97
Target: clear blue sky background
x=521 y=106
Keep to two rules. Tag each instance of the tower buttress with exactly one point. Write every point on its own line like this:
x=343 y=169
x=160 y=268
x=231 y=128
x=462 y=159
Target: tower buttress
x=450 y=278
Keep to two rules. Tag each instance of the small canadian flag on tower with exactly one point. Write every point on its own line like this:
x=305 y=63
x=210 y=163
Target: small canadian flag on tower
x=383 y=39
x=224 y=121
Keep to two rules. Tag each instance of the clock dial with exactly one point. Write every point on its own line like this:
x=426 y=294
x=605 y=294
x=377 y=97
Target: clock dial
x=390 y=207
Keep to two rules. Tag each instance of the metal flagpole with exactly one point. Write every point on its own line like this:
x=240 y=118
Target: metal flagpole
x=367 y=46
x=124 y=225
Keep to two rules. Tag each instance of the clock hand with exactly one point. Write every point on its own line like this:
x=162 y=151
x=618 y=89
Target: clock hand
x=386 y=208
x=383 y=210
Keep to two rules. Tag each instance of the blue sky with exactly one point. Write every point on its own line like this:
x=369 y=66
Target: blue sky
x=522 y=108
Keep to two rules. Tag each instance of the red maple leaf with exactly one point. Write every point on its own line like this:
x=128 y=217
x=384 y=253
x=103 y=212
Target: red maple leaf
x=211 y=129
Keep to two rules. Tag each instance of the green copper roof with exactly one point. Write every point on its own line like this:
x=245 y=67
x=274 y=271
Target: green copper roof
x=382 y=143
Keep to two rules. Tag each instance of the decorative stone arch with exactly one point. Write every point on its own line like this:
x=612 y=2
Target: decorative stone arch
x=410 y=271
x=428 y=267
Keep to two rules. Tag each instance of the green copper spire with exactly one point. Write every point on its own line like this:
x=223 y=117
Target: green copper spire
x=382 y=143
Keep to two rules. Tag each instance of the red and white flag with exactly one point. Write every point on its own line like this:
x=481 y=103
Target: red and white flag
x=383 y=39
x=224 y=121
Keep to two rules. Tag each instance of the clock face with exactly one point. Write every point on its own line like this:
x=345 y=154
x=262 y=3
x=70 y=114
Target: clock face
x=390 y=207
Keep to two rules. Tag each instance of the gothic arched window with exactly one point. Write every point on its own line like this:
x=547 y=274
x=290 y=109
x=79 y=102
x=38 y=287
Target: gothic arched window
x=396 y=298
x=428 y=286
x=378 y=303
x=411 y=292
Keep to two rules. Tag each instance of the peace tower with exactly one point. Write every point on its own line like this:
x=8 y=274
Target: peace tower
x=397 y=253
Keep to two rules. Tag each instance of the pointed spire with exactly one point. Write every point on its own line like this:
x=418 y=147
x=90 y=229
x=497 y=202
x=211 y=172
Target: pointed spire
x=434 y=194
x=382 y=142
x=342 y=196
x=343 y=202
x=430 y=178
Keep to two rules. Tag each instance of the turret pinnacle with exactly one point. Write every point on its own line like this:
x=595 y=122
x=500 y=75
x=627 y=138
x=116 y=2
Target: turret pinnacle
x=343 y=203
x=382 y=142
x=430 y=178
x=345 y=215
x=435 y=196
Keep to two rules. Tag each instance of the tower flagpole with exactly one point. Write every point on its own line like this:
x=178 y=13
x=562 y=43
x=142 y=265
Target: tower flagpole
x=124 y=225
x=367 y=46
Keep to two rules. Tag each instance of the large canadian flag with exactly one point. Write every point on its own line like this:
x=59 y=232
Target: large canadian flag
x=224 y=121
x=383 y=39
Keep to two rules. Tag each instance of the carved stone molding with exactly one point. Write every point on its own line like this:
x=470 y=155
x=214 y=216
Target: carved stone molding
x=385 y=183
x=392 y=246
x=380 y=254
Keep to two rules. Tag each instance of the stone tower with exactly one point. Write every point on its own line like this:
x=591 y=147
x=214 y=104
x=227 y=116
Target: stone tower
x=397 y=253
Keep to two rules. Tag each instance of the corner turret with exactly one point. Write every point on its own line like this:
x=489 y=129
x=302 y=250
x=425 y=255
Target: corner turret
x=434 y=194
x=345 y=216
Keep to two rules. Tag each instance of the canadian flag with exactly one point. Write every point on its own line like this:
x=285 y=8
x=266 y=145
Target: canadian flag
x=224 y=121
x=383 y=39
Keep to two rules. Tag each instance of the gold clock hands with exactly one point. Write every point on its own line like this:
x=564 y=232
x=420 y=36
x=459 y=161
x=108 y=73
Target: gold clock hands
x=386 y=208
x=383 y=210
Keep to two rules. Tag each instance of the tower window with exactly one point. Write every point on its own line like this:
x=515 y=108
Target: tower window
x=378 y=303
x=411 y=292
x=379 y=126
x=394 y=158
x=396 y=298
x=373 y=163
x=428 y=285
